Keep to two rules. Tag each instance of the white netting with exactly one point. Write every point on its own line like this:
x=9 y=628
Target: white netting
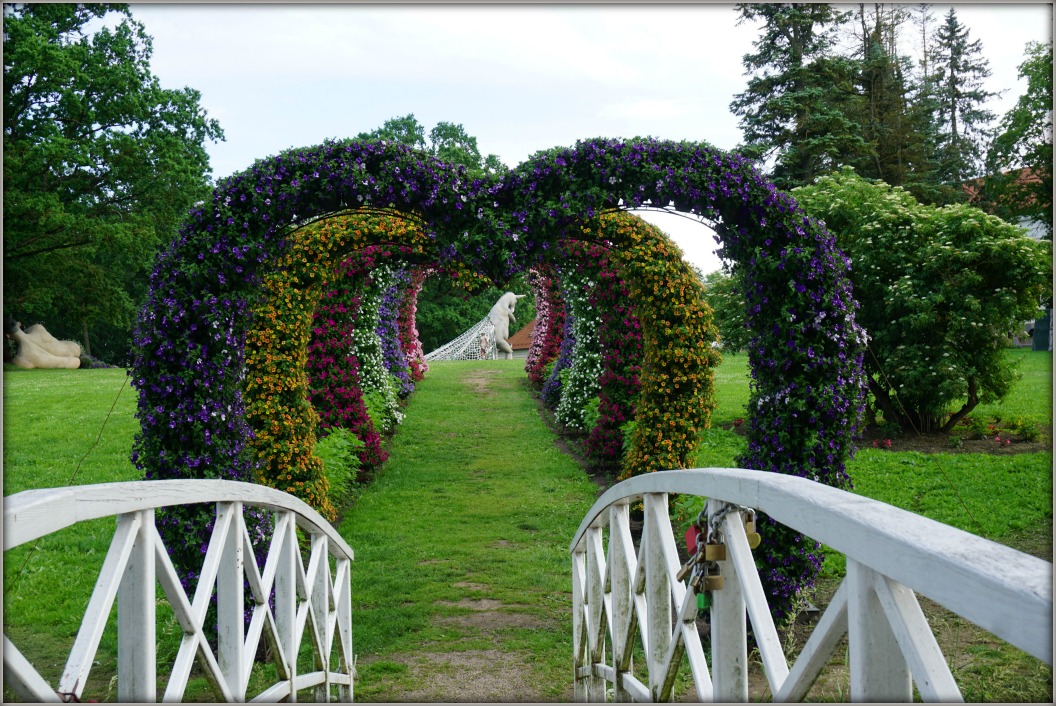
x=478 y=343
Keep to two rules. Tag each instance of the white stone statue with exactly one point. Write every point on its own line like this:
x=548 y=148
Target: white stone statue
x=502 y=316
x=39 y=349
x=39 y=335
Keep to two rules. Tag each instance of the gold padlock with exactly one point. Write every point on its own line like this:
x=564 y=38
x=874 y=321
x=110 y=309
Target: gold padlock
x=715 y=552
x=749 y=530
x=713 y=583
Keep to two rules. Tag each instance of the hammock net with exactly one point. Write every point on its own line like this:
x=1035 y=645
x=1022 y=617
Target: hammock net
x=477 y=343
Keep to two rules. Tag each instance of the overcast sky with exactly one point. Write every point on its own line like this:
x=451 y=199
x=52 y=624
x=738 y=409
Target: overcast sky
x=519 y=78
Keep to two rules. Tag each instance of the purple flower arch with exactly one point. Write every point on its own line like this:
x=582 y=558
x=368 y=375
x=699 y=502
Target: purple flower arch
x=805 y=350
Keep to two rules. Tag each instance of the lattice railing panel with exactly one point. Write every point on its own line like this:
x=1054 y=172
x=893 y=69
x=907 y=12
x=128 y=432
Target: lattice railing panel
x=626 y=595
x=291 y=604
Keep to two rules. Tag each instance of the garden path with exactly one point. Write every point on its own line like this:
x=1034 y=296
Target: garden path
x=462 y=579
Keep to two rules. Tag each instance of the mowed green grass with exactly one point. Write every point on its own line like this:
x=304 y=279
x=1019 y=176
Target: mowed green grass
x=59 y=430
x=996 y=496
x=498 y=525
x=475 y=504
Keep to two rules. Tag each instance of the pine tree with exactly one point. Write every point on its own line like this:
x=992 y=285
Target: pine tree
x=896 y=107
x=795 y=108
x=884 y=114
x=962 y=119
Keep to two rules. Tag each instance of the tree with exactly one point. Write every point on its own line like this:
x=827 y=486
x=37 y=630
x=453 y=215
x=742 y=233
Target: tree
x=721 y=292
x=447 y=141
x=447 y=308
x=960 y=97
x=406 y=130
x=796 y=106
x=100 y=165
x=895 y=111
x=941 y=291
x=1024 y=142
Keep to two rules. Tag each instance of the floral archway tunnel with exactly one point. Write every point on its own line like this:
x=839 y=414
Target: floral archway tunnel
x=190 y=365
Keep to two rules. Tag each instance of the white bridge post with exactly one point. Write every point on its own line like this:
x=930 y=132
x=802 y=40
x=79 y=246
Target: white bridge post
x=729 y=630
x=657 y=588
x=136 y=605
x=879 y=671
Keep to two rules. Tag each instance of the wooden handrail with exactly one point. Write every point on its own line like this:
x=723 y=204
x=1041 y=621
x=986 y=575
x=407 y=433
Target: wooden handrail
x=39 y=512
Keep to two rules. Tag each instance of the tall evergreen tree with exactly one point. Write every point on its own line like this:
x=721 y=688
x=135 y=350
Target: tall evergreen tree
x=795 y=108
x=962 y=117
x=896 y=108
x=884 y=112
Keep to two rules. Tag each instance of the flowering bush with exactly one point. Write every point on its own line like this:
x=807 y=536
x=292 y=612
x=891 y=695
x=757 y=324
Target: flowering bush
x=551 y=392
x=333 y=371
x=580 y=381
x=675 y=379
x=277 y=405
x=549 y=326
x=412 y=345
x=941 y=289
x=388 y=328
x=620 y=335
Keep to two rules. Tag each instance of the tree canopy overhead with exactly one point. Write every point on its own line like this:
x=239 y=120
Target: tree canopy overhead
x=100 y=163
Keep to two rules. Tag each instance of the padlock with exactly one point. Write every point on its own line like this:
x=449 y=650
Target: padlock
x=694 y=581
x=713 y=582
x=703 y=602
x=686 y=568
x=749 y=530
x=715 y=552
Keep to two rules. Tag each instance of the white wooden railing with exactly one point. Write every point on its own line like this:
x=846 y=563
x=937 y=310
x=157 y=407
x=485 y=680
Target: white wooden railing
x=313 y=600
x=620 y=591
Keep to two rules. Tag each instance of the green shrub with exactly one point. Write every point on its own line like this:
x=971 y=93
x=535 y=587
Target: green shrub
x=978 y=427
x=1026 y=429
x=592 y=413
x=339 y=450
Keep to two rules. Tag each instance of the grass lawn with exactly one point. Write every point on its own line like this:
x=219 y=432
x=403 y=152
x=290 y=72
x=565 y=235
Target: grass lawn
x=959 y=489
x=462 y=540
x=462 y=545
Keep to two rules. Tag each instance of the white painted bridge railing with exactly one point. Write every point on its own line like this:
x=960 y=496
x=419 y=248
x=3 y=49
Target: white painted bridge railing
x=620 y=592
x=312 y=600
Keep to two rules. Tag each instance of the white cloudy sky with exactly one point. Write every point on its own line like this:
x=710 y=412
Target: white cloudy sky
x=520 y=78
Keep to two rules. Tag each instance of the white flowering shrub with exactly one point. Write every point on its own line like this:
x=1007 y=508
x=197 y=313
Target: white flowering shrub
x=380 y=390
x=580 y=385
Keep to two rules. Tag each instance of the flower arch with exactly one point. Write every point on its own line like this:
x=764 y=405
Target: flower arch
x=189 y=368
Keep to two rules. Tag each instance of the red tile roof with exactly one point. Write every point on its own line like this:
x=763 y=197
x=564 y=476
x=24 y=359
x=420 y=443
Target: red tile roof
x=522 y=340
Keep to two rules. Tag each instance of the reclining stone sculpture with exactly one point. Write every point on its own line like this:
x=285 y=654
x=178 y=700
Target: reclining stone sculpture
x=502 y=316
x=39 y=335
x=32 y=355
